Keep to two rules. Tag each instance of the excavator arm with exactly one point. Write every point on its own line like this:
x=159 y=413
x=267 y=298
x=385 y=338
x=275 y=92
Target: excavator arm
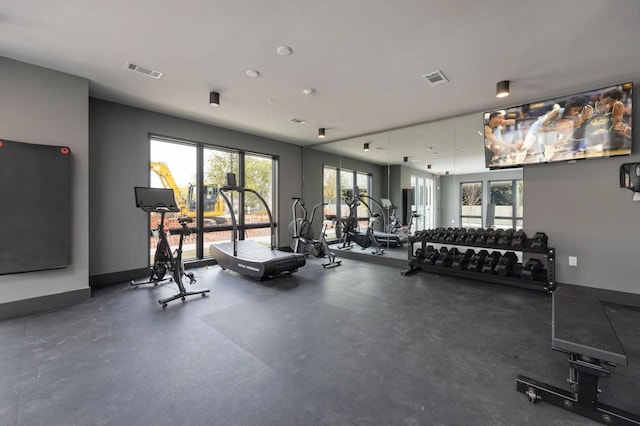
x=214 y=206
x=163 y=172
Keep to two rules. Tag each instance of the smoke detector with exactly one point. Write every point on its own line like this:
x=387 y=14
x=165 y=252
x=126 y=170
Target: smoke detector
x=436 y=78
x=144 y=70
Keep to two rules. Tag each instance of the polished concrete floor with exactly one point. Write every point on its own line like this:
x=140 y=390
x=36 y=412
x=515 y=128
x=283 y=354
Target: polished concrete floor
x=354 y=345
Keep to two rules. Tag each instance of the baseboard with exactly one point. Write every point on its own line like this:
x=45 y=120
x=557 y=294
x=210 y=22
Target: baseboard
x=357 y=254
x=102 y=280
x=604 y=295
x=34 y=305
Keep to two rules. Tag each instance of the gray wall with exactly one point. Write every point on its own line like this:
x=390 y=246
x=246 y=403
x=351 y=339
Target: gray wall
x=50 y=108
x=119 y=161
x=586 y=214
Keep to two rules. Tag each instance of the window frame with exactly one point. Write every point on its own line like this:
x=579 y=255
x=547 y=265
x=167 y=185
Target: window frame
x=201 y=253
x=462 y=205
x=517 y=198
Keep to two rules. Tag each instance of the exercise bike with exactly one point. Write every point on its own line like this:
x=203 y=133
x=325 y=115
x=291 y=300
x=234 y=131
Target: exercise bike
x=301 y=238
x=395 y=227
x=160 y=200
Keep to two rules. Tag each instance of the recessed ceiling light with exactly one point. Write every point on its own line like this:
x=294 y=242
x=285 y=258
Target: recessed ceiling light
x=253 y=73
x=284 y=50
x=309 y=92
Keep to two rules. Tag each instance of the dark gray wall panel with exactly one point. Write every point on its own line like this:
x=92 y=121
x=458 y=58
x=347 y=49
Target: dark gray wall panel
x=35 y=197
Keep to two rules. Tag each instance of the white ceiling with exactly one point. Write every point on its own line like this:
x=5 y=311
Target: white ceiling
x=364 y=58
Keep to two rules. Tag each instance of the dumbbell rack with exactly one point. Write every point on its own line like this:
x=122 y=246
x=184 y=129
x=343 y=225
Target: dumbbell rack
x=545 y=254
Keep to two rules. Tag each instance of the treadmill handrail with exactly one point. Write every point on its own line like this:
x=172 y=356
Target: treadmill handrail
x=234 y=223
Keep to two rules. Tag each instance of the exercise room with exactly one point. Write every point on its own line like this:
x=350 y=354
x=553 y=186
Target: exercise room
x=319 y=213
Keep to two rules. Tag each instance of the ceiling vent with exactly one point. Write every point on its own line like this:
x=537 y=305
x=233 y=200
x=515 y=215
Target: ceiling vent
x=144 y=70
x=298 y=120
x=436 y=78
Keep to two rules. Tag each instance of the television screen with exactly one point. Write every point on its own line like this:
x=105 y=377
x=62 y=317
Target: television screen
x=591 y=124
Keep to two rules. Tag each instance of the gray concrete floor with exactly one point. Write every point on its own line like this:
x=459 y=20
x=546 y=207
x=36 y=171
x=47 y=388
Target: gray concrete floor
x=354 y=345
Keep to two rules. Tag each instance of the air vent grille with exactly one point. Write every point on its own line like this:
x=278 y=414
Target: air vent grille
x=298 y=120
x=144 y=70
x=436 y=78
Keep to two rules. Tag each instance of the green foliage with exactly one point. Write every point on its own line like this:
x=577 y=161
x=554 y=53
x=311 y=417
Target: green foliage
x=258 y=173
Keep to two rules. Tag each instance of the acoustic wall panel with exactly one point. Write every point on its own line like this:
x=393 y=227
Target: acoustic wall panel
x=35 y=207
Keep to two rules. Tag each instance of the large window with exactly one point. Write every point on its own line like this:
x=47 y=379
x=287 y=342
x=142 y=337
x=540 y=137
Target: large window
x=471 y=205
x=422 y=203
x=334 y=195
x=195 y=172
x=331 y=198
x=506 y=196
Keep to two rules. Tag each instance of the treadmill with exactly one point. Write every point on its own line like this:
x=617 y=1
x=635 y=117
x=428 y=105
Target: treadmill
x=247 y=257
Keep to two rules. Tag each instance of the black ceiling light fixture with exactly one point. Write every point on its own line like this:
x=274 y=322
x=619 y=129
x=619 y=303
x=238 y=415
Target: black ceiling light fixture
x=502 y=89
x=321 y=133
x=214 y=99
x=406 y=159
x=366 y=146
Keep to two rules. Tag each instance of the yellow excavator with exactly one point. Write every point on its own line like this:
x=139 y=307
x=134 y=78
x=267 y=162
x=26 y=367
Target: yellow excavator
x=214 y=206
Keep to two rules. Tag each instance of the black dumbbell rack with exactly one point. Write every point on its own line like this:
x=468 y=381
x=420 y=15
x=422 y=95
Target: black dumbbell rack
x=443 y=250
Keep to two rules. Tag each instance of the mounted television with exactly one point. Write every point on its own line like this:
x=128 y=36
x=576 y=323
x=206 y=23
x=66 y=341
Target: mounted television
x=591 y=124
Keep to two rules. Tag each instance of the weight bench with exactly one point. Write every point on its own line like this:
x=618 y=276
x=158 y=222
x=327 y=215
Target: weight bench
x=581 y=328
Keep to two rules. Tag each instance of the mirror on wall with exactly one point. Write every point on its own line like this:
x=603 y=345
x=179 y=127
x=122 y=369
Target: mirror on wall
x=417 y=170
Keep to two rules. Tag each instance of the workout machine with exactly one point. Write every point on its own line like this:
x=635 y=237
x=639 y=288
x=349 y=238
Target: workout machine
x=581 y=328
x=350 y=229
x=301 y=238
x=162 y=201
x=247 y=257
x=395 y=227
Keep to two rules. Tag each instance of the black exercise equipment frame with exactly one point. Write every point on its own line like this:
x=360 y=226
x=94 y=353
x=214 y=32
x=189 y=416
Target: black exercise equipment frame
x=548 y=285
x=581 y=328
x=302 y=230
x=349 y=226
x=157 y=200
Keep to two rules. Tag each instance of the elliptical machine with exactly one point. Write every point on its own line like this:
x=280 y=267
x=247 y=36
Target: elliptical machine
x=160 y=200
x=301 y=238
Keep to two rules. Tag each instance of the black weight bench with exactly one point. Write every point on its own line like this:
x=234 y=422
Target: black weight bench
x=581 y=328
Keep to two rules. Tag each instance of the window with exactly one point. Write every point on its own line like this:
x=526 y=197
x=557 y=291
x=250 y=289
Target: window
x=334 y=195
x=172 y=167
x=423 y=203
x=329 y=196
x=471 y=205
x=507 y=198
x=195 y=172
